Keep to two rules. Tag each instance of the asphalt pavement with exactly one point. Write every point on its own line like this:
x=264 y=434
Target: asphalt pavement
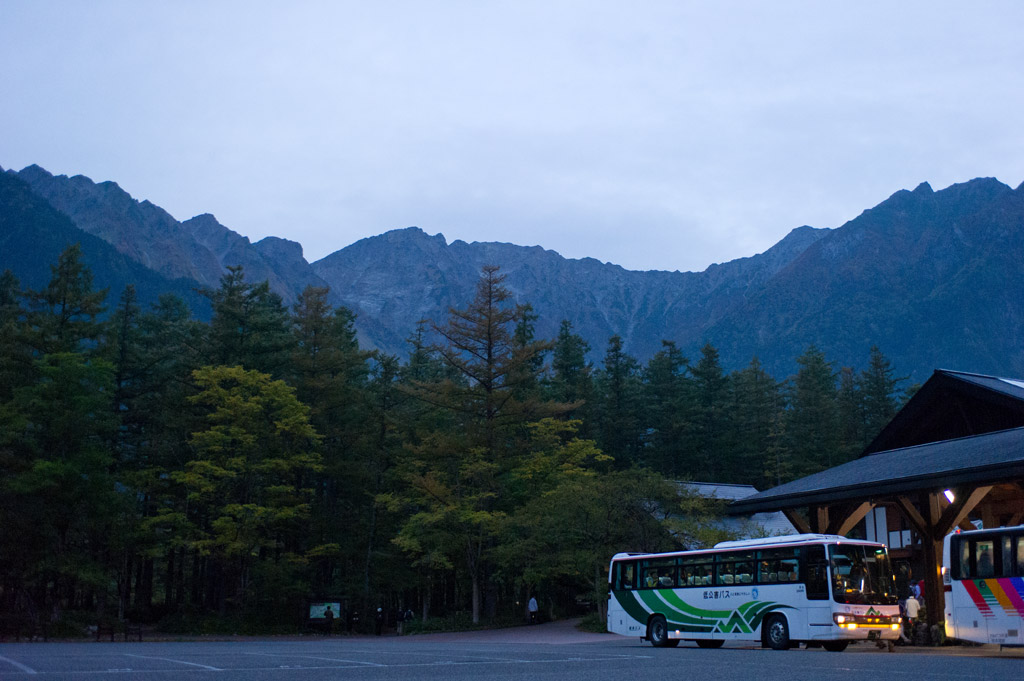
x=555 y=651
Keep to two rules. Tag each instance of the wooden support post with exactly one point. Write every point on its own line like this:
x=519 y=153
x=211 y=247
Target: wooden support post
x=819 y=519
x=934 y=597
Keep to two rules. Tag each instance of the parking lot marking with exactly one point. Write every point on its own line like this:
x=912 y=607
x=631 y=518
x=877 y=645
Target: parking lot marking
x=168 y=659
x=27 y=670
x=325 y=659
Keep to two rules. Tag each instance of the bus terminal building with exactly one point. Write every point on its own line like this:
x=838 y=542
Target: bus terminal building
x=953 y=457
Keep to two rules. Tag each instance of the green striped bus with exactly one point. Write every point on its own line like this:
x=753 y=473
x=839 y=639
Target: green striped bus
x=781 y=591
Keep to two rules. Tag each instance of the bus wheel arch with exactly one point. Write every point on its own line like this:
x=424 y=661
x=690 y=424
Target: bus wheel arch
x=776 y=632
x=657 y=633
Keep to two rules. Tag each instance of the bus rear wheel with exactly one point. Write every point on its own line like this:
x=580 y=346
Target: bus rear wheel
x=657 y=633
x=835 y=646
x=704 y=643
x=777 y=633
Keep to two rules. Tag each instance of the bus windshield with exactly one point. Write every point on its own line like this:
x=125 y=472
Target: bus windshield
x=861 y=575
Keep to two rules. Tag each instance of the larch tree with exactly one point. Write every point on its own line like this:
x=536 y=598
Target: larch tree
x=454 y=477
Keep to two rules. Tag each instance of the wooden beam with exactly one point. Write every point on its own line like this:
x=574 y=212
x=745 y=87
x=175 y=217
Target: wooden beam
x=915 y=519
x=819 y=519
x=956 y=512
x=798 y=521
x=842 y=526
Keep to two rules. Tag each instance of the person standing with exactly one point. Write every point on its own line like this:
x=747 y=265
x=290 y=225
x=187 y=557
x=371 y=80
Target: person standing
x=329 y=619
x=532 y=608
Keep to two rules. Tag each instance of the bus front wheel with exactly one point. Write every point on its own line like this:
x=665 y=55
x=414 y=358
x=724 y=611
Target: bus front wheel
x=777 y=633
x=657 y=633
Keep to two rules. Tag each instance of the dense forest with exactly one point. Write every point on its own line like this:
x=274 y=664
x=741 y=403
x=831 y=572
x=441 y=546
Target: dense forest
x=219 y=475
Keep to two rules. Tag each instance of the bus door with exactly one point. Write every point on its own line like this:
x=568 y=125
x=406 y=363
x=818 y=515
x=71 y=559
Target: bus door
x=819 y=610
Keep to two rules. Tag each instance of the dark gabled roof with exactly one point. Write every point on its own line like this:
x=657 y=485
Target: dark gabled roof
x=954 y=404
x=993 y=457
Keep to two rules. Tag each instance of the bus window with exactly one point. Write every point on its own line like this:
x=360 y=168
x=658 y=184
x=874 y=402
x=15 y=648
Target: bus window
x=1007 y=554
x=965 y=560
x=659 y=574
x=697 y=571
x=861 y=575
x=626 y=578
x=1020 y=556
x=778 y=565
x=983 y=559
x=735 y=568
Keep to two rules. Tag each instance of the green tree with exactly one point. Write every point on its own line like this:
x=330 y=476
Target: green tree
x=756 y=407
x=619 y=387
x=59 y=498
x=454 y=476
x=250 y=325
x=669 y=409
x=712 y=419
x=330 y=374
x=811 y=427
x=249 y=483
x=572 y=377
x=880 y=394
x=15 y=355
x=562 y=539
x=65 y=314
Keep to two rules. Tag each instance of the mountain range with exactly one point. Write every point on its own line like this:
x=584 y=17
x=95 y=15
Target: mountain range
x=935 y=279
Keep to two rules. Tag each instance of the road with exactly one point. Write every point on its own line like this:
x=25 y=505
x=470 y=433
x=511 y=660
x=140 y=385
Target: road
x=553 y=652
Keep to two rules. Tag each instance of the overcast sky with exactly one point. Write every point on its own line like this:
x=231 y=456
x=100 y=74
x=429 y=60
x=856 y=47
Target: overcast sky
x=654 y=135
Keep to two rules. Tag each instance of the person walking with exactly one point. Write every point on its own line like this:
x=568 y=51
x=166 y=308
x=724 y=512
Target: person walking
x=913 y=608
x=532 y=609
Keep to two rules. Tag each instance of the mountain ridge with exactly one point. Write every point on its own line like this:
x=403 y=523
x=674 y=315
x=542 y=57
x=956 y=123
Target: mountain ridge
x=894 y=276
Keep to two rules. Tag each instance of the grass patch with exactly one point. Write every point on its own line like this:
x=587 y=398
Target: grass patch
x=592 y=623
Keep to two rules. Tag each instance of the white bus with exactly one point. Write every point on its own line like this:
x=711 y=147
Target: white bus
x=780 y=591
x=983 y=580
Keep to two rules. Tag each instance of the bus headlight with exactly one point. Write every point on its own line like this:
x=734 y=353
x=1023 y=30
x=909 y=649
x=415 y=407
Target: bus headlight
x=840 y=619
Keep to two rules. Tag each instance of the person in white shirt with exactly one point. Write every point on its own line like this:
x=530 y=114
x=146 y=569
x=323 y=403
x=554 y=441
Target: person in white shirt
x=532 y=608
x=913 y=608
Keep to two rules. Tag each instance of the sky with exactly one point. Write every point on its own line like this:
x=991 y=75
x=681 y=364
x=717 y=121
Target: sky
x=653 y=135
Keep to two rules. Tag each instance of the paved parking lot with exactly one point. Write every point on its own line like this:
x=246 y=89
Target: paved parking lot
x=556 y=651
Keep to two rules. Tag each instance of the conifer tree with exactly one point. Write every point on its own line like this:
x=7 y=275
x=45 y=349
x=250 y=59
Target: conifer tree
x=250 y=325
x=572 y=377
x=455 y=476
x=669 y=412
x=711 y=424
x=619 y=386
x=880 y=394
x=849 y=415
x=756 y=406
x=15 y=355
x=65 y=314
x=812 y=422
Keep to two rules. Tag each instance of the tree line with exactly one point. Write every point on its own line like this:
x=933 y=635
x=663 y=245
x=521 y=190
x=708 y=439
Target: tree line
x=165 y=469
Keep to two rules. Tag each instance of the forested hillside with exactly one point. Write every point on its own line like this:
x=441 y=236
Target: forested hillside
x=215 y=475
